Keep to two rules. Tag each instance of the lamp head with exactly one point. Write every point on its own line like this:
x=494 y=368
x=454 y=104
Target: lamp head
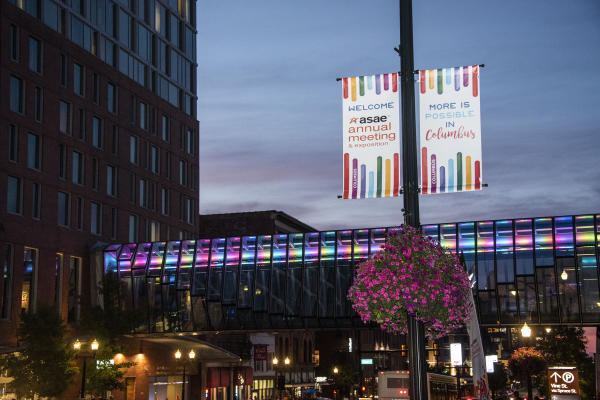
x=287 y=361
x=94 y=346
x=564 y=276
x=178 y=354
x=192 y=354
x=525 y=330
x=275 y=361
x=77 y=345
x=335 y=370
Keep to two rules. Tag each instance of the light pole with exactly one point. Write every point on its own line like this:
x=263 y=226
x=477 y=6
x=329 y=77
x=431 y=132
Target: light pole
x=287 y=362
x=94 y=345
x=190 y=356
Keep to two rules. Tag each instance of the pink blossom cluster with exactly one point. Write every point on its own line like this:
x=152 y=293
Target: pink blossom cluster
x=412 y=275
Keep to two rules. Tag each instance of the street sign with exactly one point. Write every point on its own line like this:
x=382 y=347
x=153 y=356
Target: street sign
x=366 y=361
x=563 y=380
x=456 y=354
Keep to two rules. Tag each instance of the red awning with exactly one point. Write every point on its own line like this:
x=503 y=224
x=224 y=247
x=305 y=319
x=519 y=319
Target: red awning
x=219 y=376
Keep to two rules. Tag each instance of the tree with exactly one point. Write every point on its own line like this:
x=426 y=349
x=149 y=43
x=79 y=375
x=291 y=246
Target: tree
x=565 y=346
x=46 y=365
x=107 y=324
x=498 y=379
x=525 y=362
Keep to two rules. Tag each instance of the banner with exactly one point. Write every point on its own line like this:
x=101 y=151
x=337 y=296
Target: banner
x=450 y=130
x=371 y=141
x=480 y=381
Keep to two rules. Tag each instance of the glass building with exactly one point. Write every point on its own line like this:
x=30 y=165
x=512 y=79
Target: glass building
x=534 y=270
x=152 y=42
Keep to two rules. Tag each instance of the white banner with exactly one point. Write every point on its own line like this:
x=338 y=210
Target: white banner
x=450 y=130
x=371 y=141
x=480 y=381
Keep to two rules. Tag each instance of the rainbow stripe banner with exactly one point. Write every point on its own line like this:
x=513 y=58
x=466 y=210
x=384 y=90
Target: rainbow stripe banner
x=371 y=141
x=450 y=130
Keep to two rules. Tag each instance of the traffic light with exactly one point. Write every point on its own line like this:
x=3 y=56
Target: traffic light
x=281 y=382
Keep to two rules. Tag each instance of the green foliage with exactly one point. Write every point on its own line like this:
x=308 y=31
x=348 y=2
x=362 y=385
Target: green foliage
x=498 y=380
x=565 y=346
x=107 y=324
x=46 y=365
x=526 y=361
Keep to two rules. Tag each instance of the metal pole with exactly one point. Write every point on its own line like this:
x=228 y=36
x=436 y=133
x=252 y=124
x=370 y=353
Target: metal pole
x=183 y=384
x=416 y=332
x=83 y=378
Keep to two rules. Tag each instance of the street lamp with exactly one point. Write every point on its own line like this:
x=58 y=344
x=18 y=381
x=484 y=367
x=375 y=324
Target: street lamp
x=564 y=276
x=190 y=356
x=525 y=330
x=94 y=346
x=287 y=362
x=335 y=370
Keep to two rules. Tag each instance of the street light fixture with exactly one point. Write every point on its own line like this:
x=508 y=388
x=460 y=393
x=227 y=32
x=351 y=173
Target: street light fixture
x=564 y=276
x=548 y=330
x=191 y=356
x=335 y=370
x=287 y=361
x=94 y=346
x=525 y=330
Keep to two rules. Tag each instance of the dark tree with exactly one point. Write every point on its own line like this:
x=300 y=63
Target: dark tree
x=565 y=346
x=46 y=365
x=498 y=380
x=524 y=363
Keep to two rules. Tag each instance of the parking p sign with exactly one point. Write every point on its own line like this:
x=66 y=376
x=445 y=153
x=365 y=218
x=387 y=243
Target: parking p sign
x=563 y=380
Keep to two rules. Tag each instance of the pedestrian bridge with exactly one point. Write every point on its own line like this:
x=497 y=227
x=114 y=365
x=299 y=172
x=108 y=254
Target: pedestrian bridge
x=300 y=280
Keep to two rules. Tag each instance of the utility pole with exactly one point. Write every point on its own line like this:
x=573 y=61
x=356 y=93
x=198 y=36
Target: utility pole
x=416 y=331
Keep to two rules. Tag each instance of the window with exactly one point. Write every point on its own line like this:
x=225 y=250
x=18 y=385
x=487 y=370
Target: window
x=17 y=96
x=189 y=142
x=124 y=28
x=14 y=196
x=115 y=140
x=58 y=280
x=144 y=116
x=94 y=174
x=35 y=55
x=35 y=200
x=97 y=135
x=154 y=160
x=34 y=151
x=82 y=124
x=14 y=42
x=111 y=180
x=63 y=209
x=190 y=211
x=143 y=193
x=168 y=165
x=132 y=181
x=114 y=223
x=164 y=194
x=63 y=70
x=38 y=104
x=133 y=228
x=64 y=117
x=13 y=143
x=111 y=100
x=182 y=172
x=7 y=272
x=29 y=279
x=96 y=88
x=181 y=207
x=77 y=173
x=73 y=308
x=78 y=79
x=165 y=128
x=133 y=150
x=154 y=231
x=79 y=214
x=96 y=218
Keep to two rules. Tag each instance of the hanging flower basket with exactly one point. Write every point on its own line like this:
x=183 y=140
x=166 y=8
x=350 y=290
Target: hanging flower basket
x=412 y=275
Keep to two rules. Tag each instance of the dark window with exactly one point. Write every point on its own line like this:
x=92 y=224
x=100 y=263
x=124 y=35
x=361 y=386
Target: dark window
x=78 y=79
x=94 y=174
x=74 y=289
x=58 y=280
x=114 y=225
x=111 y=180
x=168 y=165
x=144 y=116
x=79 y=214
x=165 y=128
x=63 y=70
x=13 y=143
x=63 y=209
x=115 y=140
x=34 y=151
x=35 y=201
x=96 y=88
x=82 y=124
x=189 y=142
x=14 y=195
x=124 y=28
x=38 y=104
x=133 y=150
x=14 y=42
x=96 y=218
x=35 y=55
x=155 y=162
x=111 y=101
x=64 y=117
x=143 y=193
x=7 y=272
x=77 y=173
x=165 y=201
x=97 y=134
x=133 y=228
x=17 y=95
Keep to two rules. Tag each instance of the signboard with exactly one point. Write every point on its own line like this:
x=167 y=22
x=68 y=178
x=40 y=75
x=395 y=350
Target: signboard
x=366 y=361
x=371 y=138
x=563 y=380
x=260 y=352
x=450 y=130
x=489 y=363
x=456 y=354
x=480 y=380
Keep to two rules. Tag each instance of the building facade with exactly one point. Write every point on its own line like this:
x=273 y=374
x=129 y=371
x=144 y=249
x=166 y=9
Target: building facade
x=99 y=141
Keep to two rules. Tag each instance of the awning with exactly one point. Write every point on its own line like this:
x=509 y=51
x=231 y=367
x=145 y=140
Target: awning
x=204 y=351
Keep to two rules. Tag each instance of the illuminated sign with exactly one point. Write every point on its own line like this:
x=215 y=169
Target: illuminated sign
x=563 y=380
x=456 y=354
x=366 y=361
x=489 y=363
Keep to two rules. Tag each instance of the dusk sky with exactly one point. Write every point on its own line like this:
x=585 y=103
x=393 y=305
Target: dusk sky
x=270 y=108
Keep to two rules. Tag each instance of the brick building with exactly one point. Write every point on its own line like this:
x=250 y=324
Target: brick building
x=99 y=141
